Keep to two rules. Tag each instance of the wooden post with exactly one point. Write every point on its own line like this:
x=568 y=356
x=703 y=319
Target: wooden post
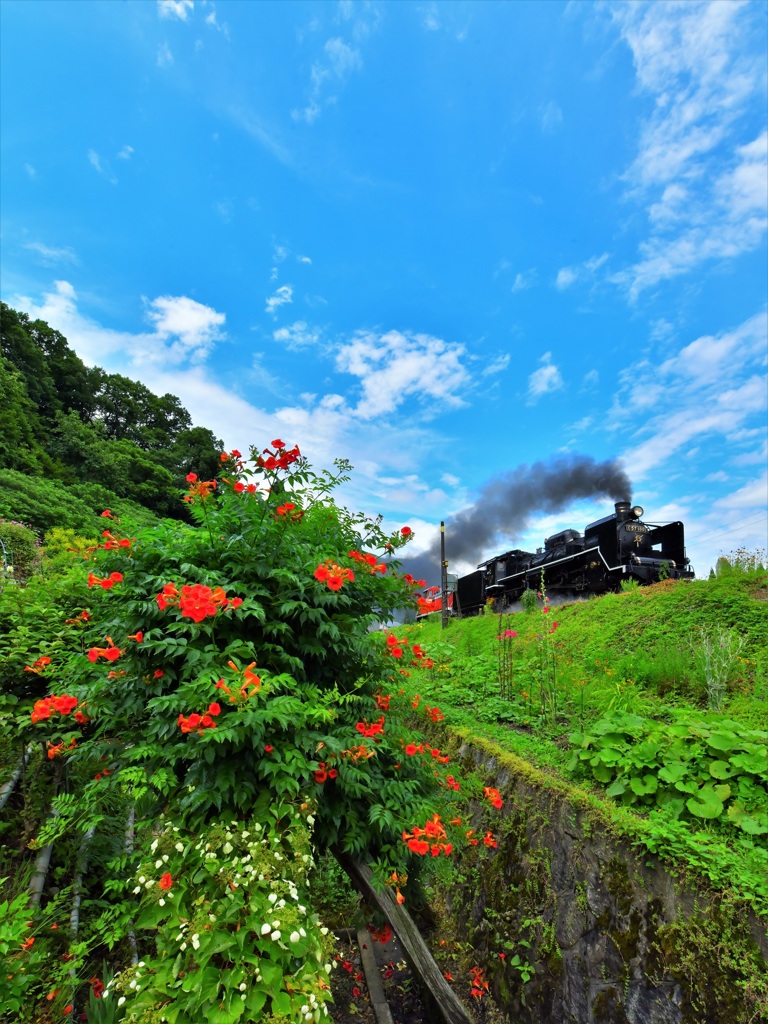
x=448 y=1004
x=443 y=578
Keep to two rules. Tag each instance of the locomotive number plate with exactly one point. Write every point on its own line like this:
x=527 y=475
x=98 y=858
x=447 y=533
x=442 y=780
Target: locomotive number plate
x=635 y=528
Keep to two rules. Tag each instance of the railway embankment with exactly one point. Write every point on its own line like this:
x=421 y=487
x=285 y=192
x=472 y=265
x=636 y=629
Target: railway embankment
x=629 y=880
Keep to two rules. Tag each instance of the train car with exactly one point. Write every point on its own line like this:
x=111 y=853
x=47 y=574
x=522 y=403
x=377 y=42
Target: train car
x=613 y=549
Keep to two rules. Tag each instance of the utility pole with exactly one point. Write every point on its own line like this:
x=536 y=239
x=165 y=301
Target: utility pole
x=443 y=577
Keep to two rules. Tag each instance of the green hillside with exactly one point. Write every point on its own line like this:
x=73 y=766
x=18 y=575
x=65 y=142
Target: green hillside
x=75 y=439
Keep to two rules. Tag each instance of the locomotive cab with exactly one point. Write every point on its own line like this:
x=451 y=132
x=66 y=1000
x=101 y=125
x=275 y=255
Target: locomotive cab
x=644 y=551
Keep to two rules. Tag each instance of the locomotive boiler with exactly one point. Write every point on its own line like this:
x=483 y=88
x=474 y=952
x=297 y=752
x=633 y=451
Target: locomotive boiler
x=611 y=550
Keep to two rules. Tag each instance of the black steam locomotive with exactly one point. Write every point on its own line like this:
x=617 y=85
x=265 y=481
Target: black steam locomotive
x=616 y=548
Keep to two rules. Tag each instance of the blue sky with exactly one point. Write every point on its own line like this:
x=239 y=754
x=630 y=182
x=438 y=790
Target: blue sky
x=442 y=240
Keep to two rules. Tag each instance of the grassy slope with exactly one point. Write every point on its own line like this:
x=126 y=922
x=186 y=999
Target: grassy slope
x=633 y=652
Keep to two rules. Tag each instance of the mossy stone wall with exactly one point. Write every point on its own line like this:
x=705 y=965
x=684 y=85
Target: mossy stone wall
x=613 y=936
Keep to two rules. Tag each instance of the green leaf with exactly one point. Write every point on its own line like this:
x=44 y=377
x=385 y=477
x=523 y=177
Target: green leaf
x=723 y=741
x=645 y=785
x=673 y=773
x=281 y=1004
x=706 y=804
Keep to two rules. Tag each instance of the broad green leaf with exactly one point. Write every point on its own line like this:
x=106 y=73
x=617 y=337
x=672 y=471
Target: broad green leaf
x=645 y=785
x=706 y=804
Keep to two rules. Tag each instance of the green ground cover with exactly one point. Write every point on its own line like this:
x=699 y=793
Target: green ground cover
x=651 y=704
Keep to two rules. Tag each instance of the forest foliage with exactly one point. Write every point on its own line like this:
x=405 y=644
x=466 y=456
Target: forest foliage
x=75 y=439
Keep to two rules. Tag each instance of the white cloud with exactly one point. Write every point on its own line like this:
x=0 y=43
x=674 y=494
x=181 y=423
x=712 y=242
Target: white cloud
x=245 y=118
x=551 y=118
x=337 y=62
x=101 y=166
x=702 y=180
x=175 y=8
x=430 y=17
x=500 y=363
x=396 y=366
x=195 y=327
x=298 y=335
x=342 y=58
x=524 y=280
x=125 y=153
x=224 y=208
x=753 y=495
x=714 y=388
x=303 y=259
x=282 y=296
x=49 y=255
x=164 y=56
x=544 y=380
x=223 y=27
x=706 y=360
x=184 y=331
x=568 y=276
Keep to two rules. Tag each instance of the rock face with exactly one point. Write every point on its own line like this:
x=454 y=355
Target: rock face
x=612 y=937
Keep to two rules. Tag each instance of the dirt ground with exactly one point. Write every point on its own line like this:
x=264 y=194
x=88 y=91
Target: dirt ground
x=352 y=1000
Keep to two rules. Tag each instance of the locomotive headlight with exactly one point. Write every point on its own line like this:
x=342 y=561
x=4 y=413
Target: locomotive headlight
x=637 y=511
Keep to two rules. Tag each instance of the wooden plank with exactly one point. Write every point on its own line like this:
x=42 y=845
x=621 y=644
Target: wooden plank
x=447 y=1003
x=373 y=979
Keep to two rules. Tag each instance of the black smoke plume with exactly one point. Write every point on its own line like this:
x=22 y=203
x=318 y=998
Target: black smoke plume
x=506 y=503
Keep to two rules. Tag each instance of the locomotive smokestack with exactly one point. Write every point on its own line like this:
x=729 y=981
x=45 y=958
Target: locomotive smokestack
x=506 y=503
x=622 y=509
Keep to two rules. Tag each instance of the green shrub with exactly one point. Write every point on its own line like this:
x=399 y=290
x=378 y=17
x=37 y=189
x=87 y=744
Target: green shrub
x=20 y=551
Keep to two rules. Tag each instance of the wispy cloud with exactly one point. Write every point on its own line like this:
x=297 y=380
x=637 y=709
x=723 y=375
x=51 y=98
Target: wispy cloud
x=713 y=388
x=551 y=117
x=282 y=297
x=220 y=26
x=31 y=172
x=253 y=125
x=524 y=280
x=430 y=17
x=164 y=56
x=340 y=58
x=698 y=172
x=568 y=276
x=338 y=61
x=545 y=380
x=50 y=255
x=500 y=363
x=397 y=367
x=225 y=209
x=298 y=335
x=125 y=153
x=180 y=9
x=101 y=166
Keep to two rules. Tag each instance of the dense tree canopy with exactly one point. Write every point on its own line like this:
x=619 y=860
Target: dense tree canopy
x=79 y=425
